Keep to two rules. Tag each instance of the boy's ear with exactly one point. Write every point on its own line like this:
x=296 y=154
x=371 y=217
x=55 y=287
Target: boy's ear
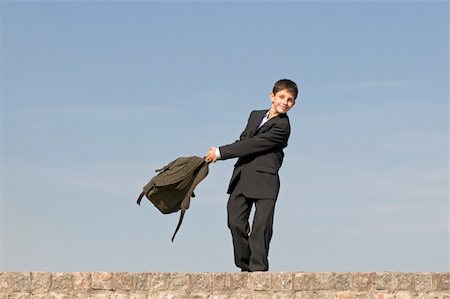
x=272 y=97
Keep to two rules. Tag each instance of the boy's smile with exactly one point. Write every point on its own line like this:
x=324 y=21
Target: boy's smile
x=282 y=102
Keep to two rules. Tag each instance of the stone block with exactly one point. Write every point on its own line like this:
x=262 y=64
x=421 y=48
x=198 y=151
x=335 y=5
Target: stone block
x=404 y=295
x=20 y=295
x=122 y=281
x=199 y=295
x=100 y=294
x=241 y=296
x=141 y=281
x=81 y=294
x=158 y=295
x=221 y=281
x=62 y=282
x=160 y=281
x=81 y=281
x=382 y=281
x=201 y=282
x=101 y=281
x=423 y=282
x=441 y=281
x=57 y=295
x=240 y=281
x=40 y=282
x=179 y=281
x=343 y=281
x=5 y=283
x=305 y=295
x=175 y=295
x=325 y=281
x=219 y=296
x=261 y=281
x=384 y=296
x=282 y=282
x=283 y=295
x=403 y=282
x=134 y=295
x=347 y=295
x=326 y=295
x=428 y=296
x=304 y=281
x=362 y=281
x=20 y=281
x=119 y=295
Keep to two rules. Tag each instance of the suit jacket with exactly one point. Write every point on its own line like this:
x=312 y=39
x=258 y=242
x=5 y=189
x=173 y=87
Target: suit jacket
x=260 y=153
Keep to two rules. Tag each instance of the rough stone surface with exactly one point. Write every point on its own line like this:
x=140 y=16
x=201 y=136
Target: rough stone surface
x=62 y=282
x=304 y=282
x=201 y=282
x=179 y=281
x=221 y=282
x=343 y=281
x=282 y=282
x=176 y=285
x=240 y=281
x=441 y=281
x=261 y=281
x=325 y=281
x=383 y=281
x=21 y=281
x=362 y=282
x=403 y=281
x=160 y=281
x=101 y=280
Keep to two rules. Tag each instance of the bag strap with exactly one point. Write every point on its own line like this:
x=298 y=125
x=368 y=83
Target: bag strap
x=179 y=223
x=200 y=173
x=140 y=197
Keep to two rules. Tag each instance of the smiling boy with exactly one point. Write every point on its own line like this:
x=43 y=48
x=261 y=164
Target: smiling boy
x=255 y=179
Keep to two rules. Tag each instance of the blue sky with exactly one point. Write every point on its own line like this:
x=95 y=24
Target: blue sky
x=97 y=95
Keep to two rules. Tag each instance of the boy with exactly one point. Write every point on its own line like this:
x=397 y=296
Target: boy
x=255 y=177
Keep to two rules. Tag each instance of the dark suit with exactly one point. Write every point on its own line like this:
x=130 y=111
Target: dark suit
x=255 y=180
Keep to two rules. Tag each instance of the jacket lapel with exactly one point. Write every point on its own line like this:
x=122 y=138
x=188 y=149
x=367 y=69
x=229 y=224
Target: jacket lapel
x=266 y=125
x=256 y=122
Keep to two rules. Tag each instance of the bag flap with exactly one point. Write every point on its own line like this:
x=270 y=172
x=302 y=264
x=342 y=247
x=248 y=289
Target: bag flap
x=179 y=170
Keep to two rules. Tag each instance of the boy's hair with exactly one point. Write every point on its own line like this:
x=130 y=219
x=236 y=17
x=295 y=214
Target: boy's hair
x=286 y=84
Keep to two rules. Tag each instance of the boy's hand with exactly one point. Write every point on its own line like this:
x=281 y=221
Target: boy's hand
x=210 y=156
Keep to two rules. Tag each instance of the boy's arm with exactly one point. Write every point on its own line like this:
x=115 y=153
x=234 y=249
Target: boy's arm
x=213 y=153
x=276 y=137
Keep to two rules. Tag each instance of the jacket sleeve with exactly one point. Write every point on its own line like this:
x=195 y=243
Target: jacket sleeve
x=275 y=137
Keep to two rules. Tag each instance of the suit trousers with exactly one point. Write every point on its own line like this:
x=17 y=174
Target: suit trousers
x=251 y=246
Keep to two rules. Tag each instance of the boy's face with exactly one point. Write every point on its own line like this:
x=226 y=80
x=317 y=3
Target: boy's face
x=282 y=101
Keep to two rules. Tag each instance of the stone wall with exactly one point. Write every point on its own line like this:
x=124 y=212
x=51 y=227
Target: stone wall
x=347 y=285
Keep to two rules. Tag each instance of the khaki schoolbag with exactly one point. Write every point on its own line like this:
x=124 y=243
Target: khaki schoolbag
x=172 y=188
